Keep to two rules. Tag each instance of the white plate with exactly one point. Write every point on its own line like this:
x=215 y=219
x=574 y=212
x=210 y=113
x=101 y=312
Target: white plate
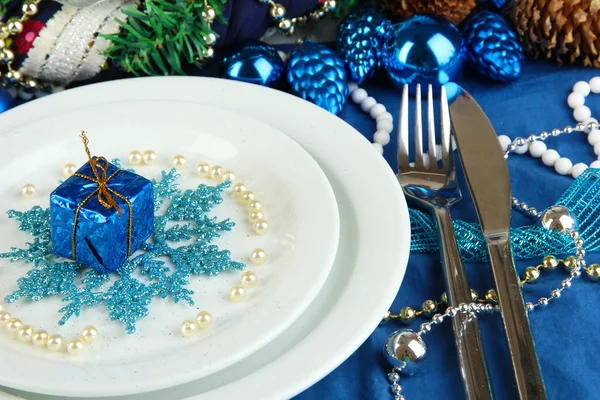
x=373 y=251
x=301 y=244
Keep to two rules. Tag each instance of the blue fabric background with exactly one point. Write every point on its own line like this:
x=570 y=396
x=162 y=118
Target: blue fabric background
x=566 y=332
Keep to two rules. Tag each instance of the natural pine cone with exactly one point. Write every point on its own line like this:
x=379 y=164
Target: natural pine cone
x=566 y=31
x=454 y=11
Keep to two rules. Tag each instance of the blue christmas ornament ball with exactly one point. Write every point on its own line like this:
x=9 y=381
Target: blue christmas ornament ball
x=254 y=63
x=425 y=50
x=492 y=48
x=6 y=100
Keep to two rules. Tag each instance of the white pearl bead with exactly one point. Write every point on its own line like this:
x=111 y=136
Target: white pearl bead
x=248 y=196
x=5 y=316
x=504 y=141
x=594 y=137
x=378 y=148
x=582 y=87
x=522 y=149
x=237 y=294
x=582 y=113
x=255 y=205
x=239 y=189
x=179 y=161
x=595 y=84
x=148 y=157
x=385 y=125
x=563 y=165
x=367 y=104
x=549 y=157
x=203 y=169
x=28 y=190
x=386 y=115
x=377 y=110
x=13 y=325
x=188 y=328
x=249 y=279
x=578 y=169
x=54 y=342
x=597 y=149
x=89 y=334
x=575 y=100
x=261 y=227
x=258 y=256
x=25 y=333
x=135 y=157
x=537 y=148
x=75 y=347
x=204 y=319
x=595 y=164
x=381 y=137
x=352 y=87
x=69 y=169
x=40 y=338
x=359 y=95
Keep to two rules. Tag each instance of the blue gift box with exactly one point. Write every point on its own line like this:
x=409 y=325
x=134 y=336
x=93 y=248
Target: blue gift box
x=112 y=211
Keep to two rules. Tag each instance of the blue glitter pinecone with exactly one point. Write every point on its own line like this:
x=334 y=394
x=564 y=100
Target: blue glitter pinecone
x=492 y=47
x=316 y=73
x=358 y=41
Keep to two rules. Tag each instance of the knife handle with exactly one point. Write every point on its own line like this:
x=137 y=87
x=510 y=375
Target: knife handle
x=521 y=347
x=467 y=335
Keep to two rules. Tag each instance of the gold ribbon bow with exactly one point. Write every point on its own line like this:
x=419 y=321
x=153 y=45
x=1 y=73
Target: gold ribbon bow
x=104 y=193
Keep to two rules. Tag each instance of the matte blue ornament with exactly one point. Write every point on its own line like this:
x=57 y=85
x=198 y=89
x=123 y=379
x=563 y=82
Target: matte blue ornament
x=254 y=63
x=423 y=50
x=492 y=48
x=358 y=41
x=316 y=73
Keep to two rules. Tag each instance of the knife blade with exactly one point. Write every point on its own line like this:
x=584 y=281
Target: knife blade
x=489 y=183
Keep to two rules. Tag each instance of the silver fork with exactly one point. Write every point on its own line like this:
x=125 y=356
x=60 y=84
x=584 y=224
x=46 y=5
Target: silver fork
x=436 y=189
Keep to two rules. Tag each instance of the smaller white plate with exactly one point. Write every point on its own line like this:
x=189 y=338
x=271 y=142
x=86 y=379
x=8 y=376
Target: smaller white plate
x=301 y=245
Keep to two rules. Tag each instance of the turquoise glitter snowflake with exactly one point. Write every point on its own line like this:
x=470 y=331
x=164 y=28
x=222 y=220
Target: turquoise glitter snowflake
x=183 y=219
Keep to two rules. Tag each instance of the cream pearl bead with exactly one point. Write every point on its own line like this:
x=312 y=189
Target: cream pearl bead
x=25 y=333
x=40 y=338
x=248 y=196
x=595 y=84
x=228 y=176
x=575 y=100
x=249 y=279
x=255 y=205
x=216 y=172
x=75 y=347
x=581 y=113
x=179 y=161
x=13 y=325
x=239 y=189
x=367 y=104
x=188 y=328
x=5 y=316
x=563 y=166
x=148 y=157
x=135 y=157
x=204 y=319
x=237 y=293
x=69 y=169
x=203 y=169
x=504 y=141
x=578 y=169
x=28 y=190
x=378 y=148
x=384 y=116
x=88 y=334
x=261 y=227
x=594 y=137
x=54 y=342
x=381 y=137
x=537 y=148
x=595 y=164
x=549 y=157
x=385 y=125
x=377 y=110
x=258 y=256
x=359 y=95
x=256 y=215
x=582 y=87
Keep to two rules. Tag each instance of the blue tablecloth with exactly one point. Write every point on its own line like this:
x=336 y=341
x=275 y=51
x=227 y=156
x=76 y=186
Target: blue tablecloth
x=566 y=332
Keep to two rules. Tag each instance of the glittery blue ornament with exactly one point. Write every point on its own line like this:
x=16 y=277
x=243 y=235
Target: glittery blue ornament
x=6 y=100
x=254 y=63
x=492 y=48
x=423 y=50
x=316 y=73
x=358 y=42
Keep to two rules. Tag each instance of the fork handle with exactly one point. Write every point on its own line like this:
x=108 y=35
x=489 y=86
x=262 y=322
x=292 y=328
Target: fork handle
x=466 y=328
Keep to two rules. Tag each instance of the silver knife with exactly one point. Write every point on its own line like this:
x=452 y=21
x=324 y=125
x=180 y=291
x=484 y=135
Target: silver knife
x=487 y=176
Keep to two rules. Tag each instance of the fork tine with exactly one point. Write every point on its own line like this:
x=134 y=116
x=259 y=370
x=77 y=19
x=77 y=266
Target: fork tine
x=403 y=131
x=431 y=129
x=446 y=130
x=418 y=129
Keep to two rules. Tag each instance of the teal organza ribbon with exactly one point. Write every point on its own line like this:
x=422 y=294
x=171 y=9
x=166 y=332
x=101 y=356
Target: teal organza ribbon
x=582 y=198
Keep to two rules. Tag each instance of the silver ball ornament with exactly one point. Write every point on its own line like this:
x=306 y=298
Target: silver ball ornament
x=558 y=218
x=405 y=349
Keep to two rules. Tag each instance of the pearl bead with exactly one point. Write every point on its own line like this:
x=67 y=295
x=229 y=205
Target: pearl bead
x=89 y=334
x=595 y=164
x=256 y=215
x=575 y=100
x=582 y=113
x=228 y=176
x=249 y=279
x=504 y=141
x=69 y=169
x=237 y=294
x=385 y=125
x=179 y=161
x=188 y=328
x=378 y=148
x=595 y=84
x=54 y=342
x=384 y=116
x=549 y=157
x=352 y=87
x=204 y=320
x=381 y=137
x=563 y=166
x=5 y=316
x=216 y=172
x=522 y=149
x=148 y=157
x=239 y=189
x=578 y=169
x=359 y=95
x=376 y=110
x=28 y=190
x=537 y=148
x=367 y=104
x=582 y=87
x=594 y=137
x=135 y=157
x=40 y=338
x=203 y=169
x=254 y=205
x=258 y=256
x=248 y=196
x=13 y=325
x=261 y=227
x=25 y=333
x=75 y=347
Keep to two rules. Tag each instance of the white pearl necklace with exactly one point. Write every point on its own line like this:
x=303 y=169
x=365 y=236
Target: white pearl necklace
x=377 y=111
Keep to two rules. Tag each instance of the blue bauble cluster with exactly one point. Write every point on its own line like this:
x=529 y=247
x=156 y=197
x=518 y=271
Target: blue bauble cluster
x=256 y=63
x=425 y=50
x=493 y=49
x=316 y=73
